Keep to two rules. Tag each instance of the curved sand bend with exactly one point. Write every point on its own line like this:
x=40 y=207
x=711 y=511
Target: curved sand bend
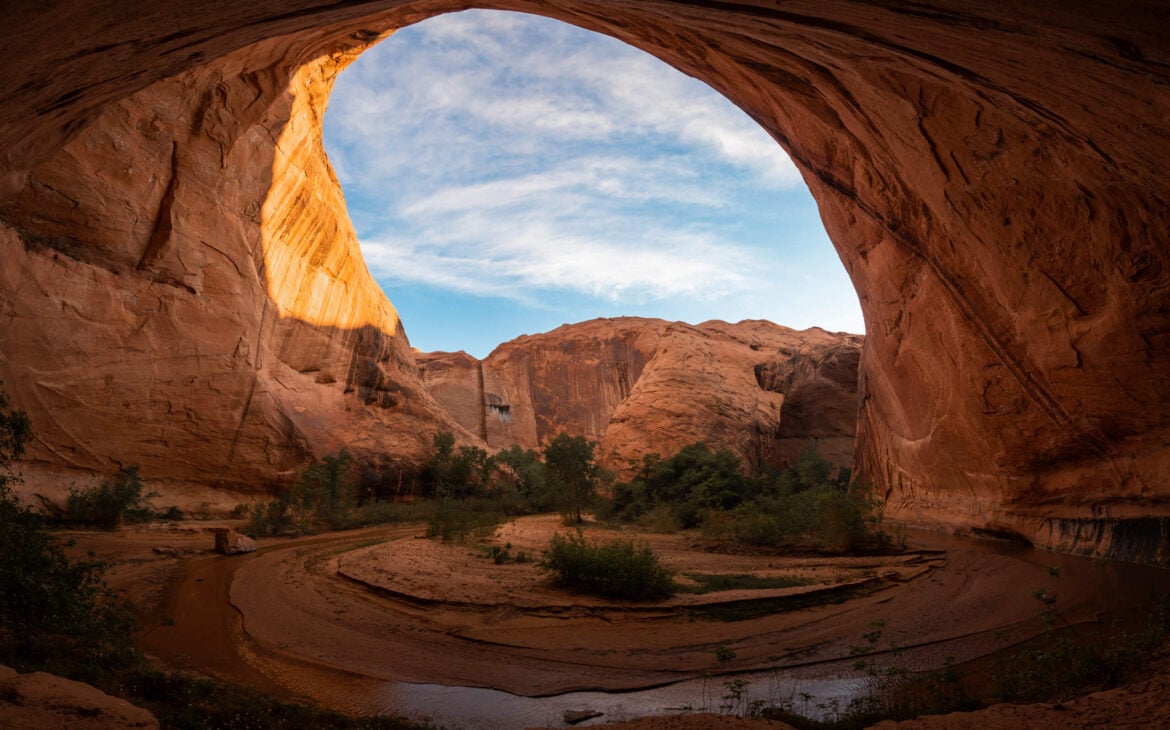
x=321 y=615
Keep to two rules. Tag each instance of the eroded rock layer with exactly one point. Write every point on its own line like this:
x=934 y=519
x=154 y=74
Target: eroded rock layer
x=179 y=282
x=640 y=386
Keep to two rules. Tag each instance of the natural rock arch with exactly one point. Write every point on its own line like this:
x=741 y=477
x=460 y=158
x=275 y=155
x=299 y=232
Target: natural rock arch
x=181 y=286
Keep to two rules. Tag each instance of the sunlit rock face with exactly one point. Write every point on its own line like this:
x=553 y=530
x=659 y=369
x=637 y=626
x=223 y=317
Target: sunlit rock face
x=179 y=284
x=640 y=386
x=184 y=290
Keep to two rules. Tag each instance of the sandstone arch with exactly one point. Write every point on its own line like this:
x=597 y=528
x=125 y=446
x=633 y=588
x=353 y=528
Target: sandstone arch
x=181 y=289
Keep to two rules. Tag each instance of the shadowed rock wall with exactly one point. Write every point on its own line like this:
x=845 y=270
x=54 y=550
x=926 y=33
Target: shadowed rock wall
x=993 y=176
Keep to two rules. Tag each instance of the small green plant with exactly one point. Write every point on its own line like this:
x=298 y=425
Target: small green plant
x=617 y=569
x=716 y=582
x=724 y=654
x=502 y=555
x=733 y=701
x=114 y=502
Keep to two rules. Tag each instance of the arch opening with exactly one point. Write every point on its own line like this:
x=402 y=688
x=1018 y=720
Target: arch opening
x=991 y=178
x=507 y=173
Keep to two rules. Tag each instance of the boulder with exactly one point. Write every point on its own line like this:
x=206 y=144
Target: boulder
x=230 y=542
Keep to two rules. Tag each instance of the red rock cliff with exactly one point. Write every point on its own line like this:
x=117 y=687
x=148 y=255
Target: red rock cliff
x=645 y=385
x=178 y=275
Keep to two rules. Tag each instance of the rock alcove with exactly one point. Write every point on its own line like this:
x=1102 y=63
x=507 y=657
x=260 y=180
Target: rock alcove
x=182 y=289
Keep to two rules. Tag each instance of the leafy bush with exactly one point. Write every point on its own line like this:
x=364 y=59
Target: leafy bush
x=805 y=507
x=458 y=473
x=462 y=520
x=55 y=614
x=523 y=481
x=617 y=569
x=112 y=503
x=323 y=498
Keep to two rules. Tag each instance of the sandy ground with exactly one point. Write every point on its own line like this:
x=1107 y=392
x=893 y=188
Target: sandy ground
x=333 y=617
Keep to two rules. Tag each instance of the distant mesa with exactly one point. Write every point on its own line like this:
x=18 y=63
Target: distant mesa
x=639 y=386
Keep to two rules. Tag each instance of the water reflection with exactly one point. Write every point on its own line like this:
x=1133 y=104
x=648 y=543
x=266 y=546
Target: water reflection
x=488 y=709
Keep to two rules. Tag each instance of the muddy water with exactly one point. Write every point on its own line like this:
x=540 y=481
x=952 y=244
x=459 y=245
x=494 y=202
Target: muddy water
x=308 y=637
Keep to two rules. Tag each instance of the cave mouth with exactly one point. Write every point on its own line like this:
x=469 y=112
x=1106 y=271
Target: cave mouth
x=991 y=177
x=507 y=173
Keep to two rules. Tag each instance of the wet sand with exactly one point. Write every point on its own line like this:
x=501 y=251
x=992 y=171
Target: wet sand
x=334 y=618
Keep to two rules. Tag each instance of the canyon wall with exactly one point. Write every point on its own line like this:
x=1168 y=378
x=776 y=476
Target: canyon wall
x=180 y=287
x=640 y=386
x=183 y=290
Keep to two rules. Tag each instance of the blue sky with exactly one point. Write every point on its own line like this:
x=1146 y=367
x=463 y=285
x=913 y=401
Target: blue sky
x=507 y=174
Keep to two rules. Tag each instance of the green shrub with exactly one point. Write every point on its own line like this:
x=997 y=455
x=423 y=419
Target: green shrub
x=805 y=507
x=55 y=614
x=460 y=521
x=112 y=503
x=617 y=569
x=322 y=499
x=383 y=513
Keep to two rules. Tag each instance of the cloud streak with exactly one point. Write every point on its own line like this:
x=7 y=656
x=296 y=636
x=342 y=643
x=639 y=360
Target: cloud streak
x=507 y=156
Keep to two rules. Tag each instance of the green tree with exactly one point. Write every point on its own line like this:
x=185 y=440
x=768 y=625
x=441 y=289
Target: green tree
x=526 y=476
x=328 y=487
x=116 y=500
x=810 y=470
x=55 y=614
x=458 y=473
x=573 y=473
x=15 y=430
x=693 y=481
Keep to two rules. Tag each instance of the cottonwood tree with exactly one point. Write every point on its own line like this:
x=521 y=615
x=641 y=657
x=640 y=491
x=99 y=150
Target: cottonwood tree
x=573 y=473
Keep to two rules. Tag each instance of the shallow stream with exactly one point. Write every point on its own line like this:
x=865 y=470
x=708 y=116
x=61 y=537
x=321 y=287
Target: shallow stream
x=488 y=709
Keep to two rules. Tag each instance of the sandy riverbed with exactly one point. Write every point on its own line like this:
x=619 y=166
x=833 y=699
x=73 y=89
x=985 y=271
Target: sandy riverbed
x=339 y=618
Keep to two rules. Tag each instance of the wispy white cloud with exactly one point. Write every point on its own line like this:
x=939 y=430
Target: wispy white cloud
x=504 y=155
x=536 y=259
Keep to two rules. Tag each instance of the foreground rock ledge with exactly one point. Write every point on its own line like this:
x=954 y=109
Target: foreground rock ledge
x=181 y=288
x=40 y=700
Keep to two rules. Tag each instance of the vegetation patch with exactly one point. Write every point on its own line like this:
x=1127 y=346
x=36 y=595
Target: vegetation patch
x=58 y=615
x=811 y=507
x=717 y=582
x=502 y=554
x=116 y=501
x=753 y=608
x=617 y=569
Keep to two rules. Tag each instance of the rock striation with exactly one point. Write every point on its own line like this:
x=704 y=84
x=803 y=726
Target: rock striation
x=180 y=287
x=640 y=386
x=183 y=289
